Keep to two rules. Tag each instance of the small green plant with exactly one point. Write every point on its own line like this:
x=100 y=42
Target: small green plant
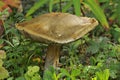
x=115 y=33
x=3 y=72
x=72 y=75
x=99 y=60
x=32 y=73
x=50 y=74
x=102 y=75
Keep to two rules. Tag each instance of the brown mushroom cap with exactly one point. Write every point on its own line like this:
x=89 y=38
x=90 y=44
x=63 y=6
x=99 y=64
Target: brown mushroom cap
x=57 y=27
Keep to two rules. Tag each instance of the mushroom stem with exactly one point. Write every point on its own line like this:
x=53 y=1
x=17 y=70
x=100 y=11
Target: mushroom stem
x=52 y=56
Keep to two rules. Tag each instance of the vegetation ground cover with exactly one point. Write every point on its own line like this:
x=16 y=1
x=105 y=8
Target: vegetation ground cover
x=96 y=56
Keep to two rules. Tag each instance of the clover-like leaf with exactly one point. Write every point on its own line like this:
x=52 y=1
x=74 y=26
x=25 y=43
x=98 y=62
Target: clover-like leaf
x=3 y=73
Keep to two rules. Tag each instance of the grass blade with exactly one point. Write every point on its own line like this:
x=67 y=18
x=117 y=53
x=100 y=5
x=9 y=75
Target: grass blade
x=36 y=6
x=50 y=5
x=98 y=12
x=76 y=4
x=67 y=6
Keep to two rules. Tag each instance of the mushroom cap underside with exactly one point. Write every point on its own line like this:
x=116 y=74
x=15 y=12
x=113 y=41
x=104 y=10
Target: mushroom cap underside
x=57 y=27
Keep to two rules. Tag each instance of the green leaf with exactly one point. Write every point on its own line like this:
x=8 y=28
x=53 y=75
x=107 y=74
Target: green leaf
x=3 y=73
x=50 y=5
x=8 y=42
x=94 y=47
x=36 y=6
x=65 y=72
x=47 y=75
x=95 y=78
x=98 y=12
x=116 y=34
x=32 y=73
x=99 y=75
x=117 y=29
x=106 y=74
x=76 y=4
x=76 y=44
x=93 y=60
x=59 y=75
x=20 y=78
x=67 y=6
x=36 y=77
x=103 y=75
x=75 y=72
x=32 y=70
x=10 y=78
x=1 y=41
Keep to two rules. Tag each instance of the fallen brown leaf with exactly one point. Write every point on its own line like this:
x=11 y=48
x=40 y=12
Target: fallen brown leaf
x=14 y=3
x=1 y=29
x=1 y=45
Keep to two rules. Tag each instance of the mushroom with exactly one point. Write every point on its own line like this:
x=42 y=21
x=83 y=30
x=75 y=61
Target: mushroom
x=56 y=29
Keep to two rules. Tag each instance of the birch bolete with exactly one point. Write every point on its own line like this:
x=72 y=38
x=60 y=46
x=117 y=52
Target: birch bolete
x=56 y=29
